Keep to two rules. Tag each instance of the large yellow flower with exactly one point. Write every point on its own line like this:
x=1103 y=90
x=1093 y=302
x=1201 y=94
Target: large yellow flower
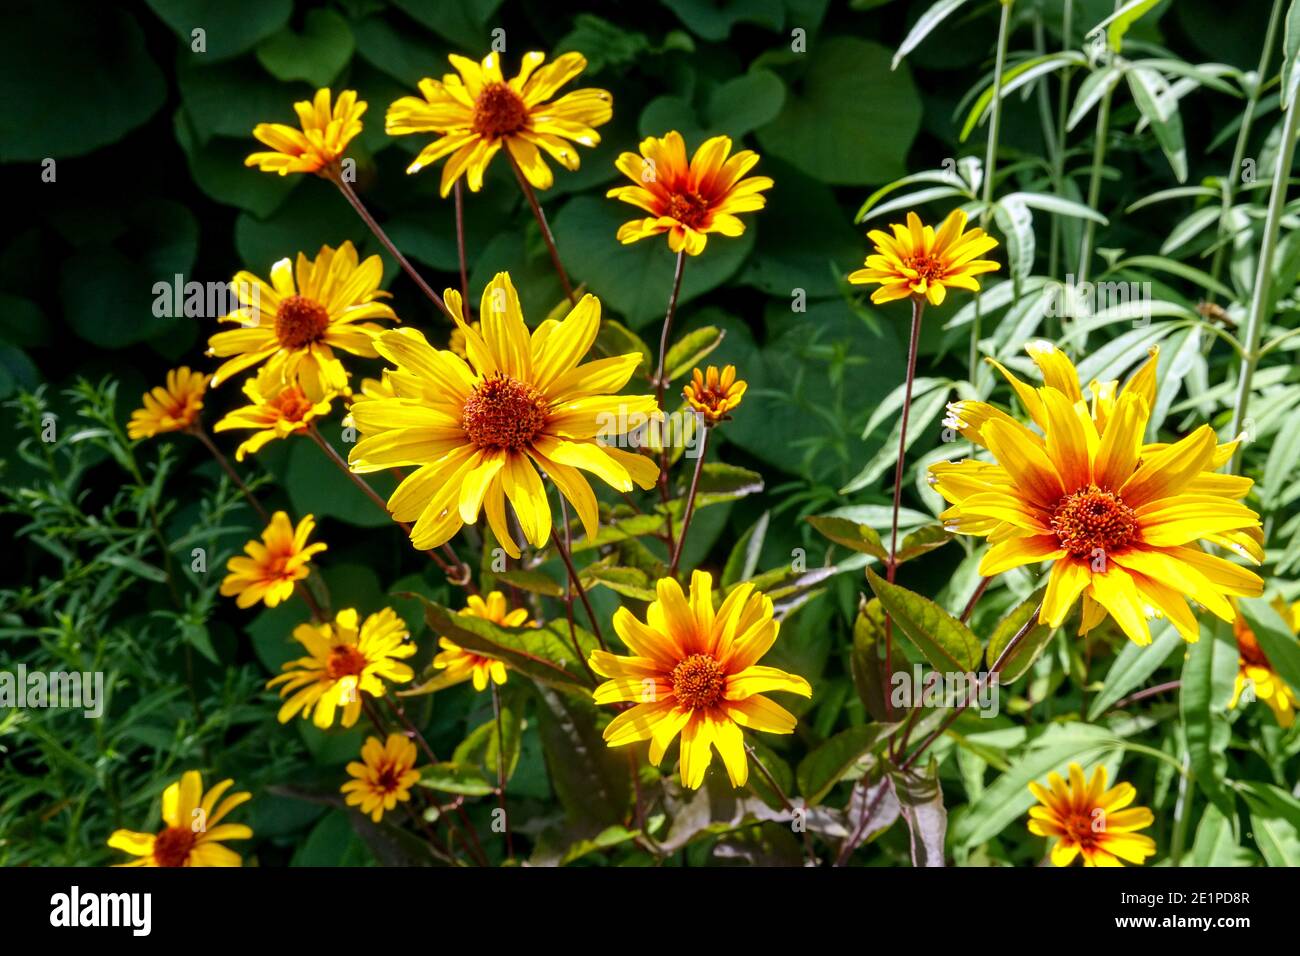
x=269 y=569
x=194 y=830
x=1256 y=672
x=325 y=134
x=1088 y=819
x=458 y=664
x=695 y=671
x=477 y=111
x=277 y=409
x=478 y=431
x=917 y=261
x=294 y=326
x=1119 y=519
x=383 y=777
x=345 y=659
x=688 y=200
x=172 y=407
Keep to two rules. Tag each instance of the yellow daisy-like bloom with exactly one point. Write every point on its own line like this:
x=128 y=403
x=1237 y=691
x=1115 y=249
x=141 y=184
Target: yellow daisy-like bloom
x=278 y=409
x=383 y=776
x=172 y=407
x=325 y=134
x=1256 y=672
x=479 y=430
x=294 y=326
x=1119 y=519
x=345 y=659
x=458 y=664
x=1089 y=820
x=268 y=569
x=714 y=394
x=477 y=111
x=194 y=832
x=917 y=261
x=688 y=200
x=695 y=671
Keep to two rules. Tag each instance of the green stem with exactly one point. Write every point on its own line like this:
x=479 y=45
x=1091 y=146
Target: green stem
x=690 y=500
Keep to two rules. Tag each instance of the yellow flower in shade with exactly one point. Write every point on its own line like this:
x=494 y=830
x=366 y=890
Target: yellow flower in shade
x=383 y=776
x=1120 y=519
x=695 y=671
x=308 y=310
x=1256 y=672
x=714 y=395
x=476 y=111
x=278 y=409
x=1089 y=820
x=478 y=431
x=688 y=200
x=345 y=659
x=172 y=407
x=917 y=261
x=268 y=569
x=458 y=665
x=325 y=134
x=194 y=833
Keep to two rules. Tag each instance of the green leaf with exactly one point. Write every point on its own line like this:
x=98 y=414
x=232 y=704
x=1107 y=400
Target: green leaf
x=1117 y=24
x=1157 y=102
x=535 y=582
x=1275 y=638
x=630 y=582
x=590 y=780
x=1202 y=713
x=691 y=349
x=924 y=24
x=1132 y=666
x=1275 y=822
x=316 y=55
x=921 y=799
x=833 y=759
x=714 y=19
x=851 y=534
x=746 y=102
x=615 y=339
x=865 y=659
x=463 y=22
x=924 y=410
x=482 y=746
x=922 y=541
x=946 y=642
x=316 y=486
x=464 y=779
x=1290 y=55
x=1030 y=646
x=1216 y=844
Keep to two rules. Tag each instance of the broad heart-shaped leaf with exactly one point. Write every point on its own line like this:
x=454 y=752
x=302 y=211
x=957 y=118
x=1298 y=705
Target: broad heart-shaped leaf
x=590 y=780
x=826 y=766
x=460 y=21
x=1275 y=639
x=316 y=55
x=850 y=534
x=1030 y=646
x=921 y=799
x=229 y=26
x=1133 y=665
x=851 y=121
x=714 y=19
x=1203 y=699
x=73 y=77
x=690 y=350
x=217 y=167
x=946 y=642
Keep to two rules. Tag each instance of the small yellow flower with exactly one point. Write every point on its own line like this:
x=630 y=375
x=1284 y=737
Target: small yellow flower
x=715 y=395
x=383 y=777
x=194 y=831
x=1256 y=671
x=172 y=407
x=381 y=387
x=1090 y=820
x=695 y=671
x=268 y=569
x=458 y=664
x=325 y=134
x=294 y=326
x=477 y=110
x=916 y=261
x=688 y=200
x=345 y=659
x=277 y=410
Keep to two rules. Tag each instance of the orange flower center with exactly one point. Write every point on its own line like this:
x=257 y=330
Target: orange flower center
x=1079 y=829
x=1092 y=519
x=293 y=404
x=386 y=779
x=504 y=412
x=1251 y=653
x=499 y=111
x=299 y=322
x=690 y=209
x=698 y=681
x=172 y=846
x=928 y=269
x=345 y=660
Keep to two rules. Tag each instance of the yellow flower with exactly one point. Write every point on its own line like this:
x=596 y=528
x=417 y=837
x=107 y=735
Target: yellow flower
x=1256 y=672
x=479 y=430
x=458 y=664
x=383 y=777
x=324 y=136
x=344 y=659
x=194 y=831
x=173 y=407
x=277 y=410
x=688 y=200
x=295 y=326
x=477 y=111
x=268 y=569
x=457 y=340
x=917 y=261
x=1120 y=520
x=1090 y=820
x=695 y=671
x=714 y=395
